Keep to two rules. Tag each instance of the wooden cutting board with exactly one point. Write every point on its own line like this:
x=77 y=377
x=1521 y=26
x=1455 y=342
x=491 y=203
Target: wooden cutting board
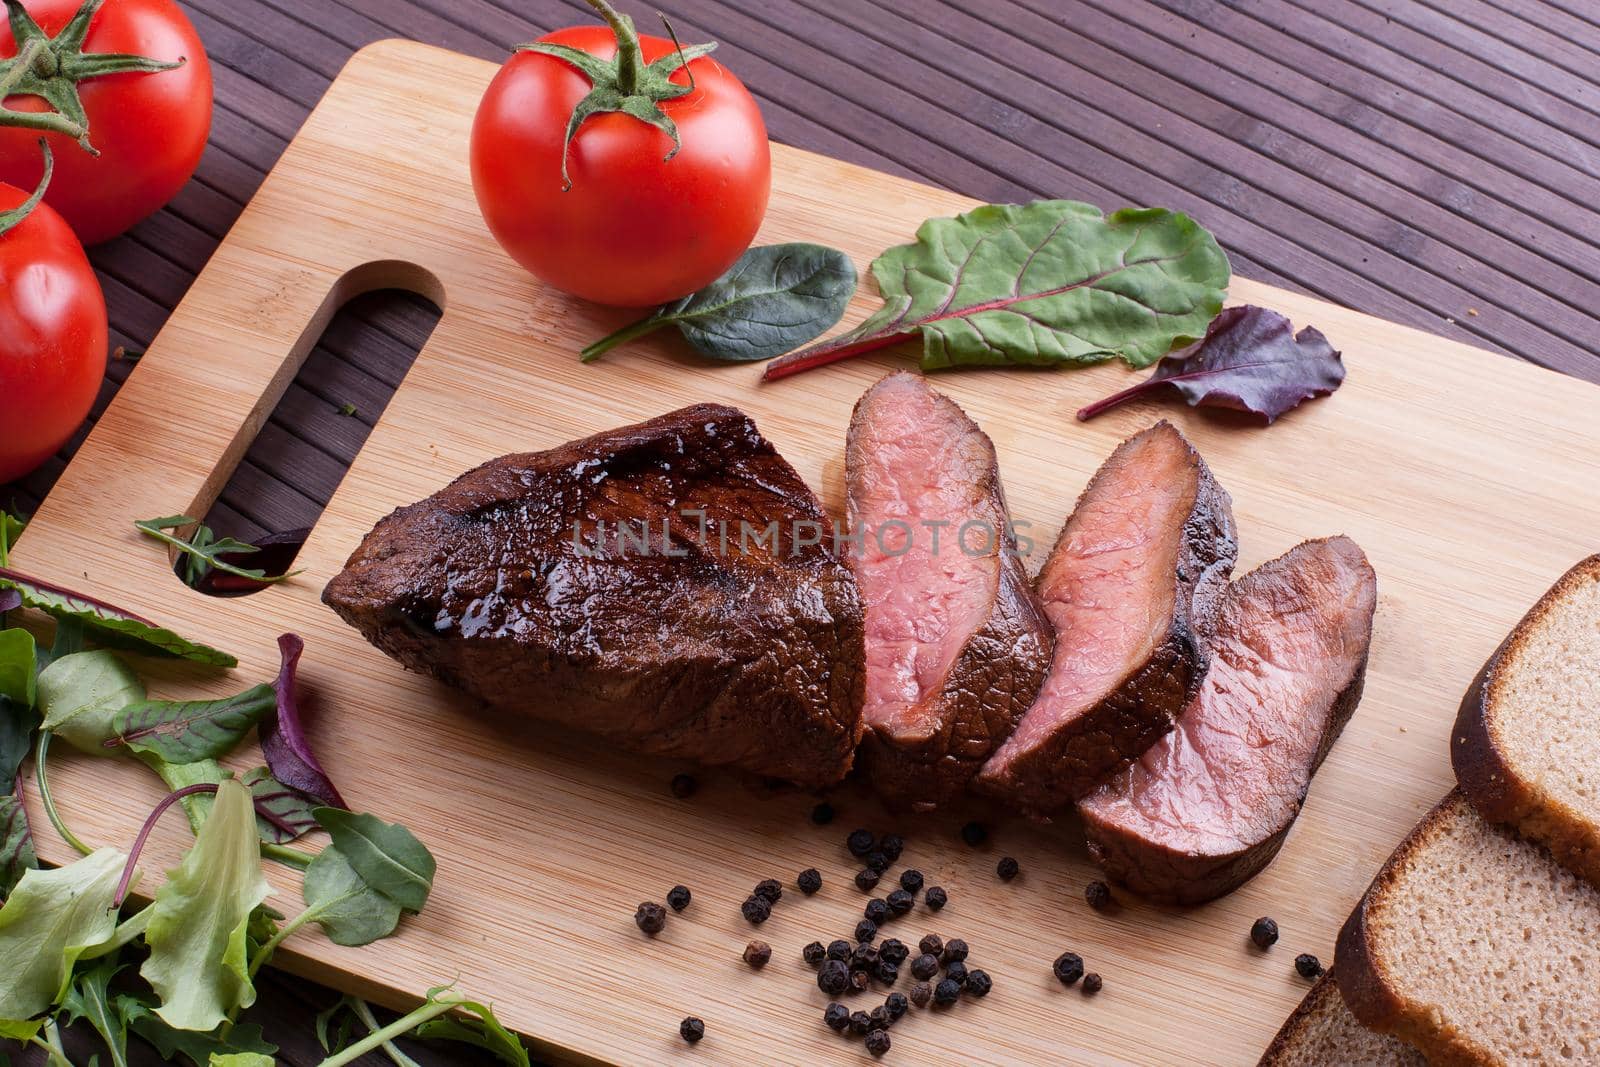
x=1469 y=478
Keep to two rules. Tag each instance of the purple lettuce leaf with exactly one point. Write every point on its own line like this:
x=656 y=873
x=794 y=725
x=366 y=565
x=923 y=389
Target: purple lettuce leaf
x=283 y=739
x=1250 y=360
x=10 y=600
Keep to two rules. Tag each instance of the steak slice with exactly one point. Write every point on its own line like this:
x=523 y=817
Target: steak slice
x=670 y=586
x=1151 y=533
x=1208 y=806
x=957 y=643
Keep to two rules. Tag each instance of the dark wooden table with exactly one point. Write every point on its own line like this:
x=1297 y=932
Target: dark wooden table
x=1434 y=162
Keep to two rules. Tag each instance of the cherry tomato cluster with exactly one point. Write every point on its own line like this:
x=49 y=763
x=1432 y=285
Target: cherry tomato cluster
x=104 y=113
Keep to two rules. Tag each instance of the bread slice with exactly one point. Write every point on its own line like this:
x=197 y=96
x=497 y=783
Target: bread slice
x=1476 y=947
x=1323 y=1033
x=1527 y=740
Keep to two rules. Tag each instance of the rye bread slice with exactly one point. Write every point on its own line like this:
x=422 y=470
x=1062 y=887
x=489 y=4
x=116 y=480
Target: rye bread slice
x=1527 y=739
x=1476 y=947
x=1323 y=1033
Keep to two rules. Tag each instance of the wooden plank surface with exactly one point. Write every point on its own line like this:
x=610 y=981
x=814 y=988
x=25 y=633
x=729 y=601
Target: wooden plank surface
x=547 y=842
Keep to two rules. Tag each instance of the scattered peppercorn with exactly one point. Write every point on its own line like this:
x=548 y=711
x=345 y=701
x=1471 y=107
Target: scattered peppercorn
x=974 y=833
x=878 y=1042
x=877 y=861
x=833 y=977
x=809 y=880
x=651 y=918
x=756 y=910
x=900 y=902
x=1264 y=932
x=839 y=949
x=1008 y=868
x=911 y=880
x=692 y=1029
x=860 y=1022
x=757 y=954
x=683 y=787
x=769 y=889
x=880 y=1018
x=1098 y=894
x=877 y=910
x=866 y=930
x=863 y=957
x=894 y=950
x=1308 y=965
x=896 y=1005
x=866 y=879
x=957 y=971
x=932 y=944
x=822 y=814
x=925 y=966
x=814 y=953
x=1068 y=968
x=678 y=897
x=955 y=950
x=836 y=1016
x=1091 y=984
x=892 y=845
x=936 y=898
x=921 y=993
x=979 y=983
x=859 y=980
x=860 y=842
x=886 y=973
x=947 y=992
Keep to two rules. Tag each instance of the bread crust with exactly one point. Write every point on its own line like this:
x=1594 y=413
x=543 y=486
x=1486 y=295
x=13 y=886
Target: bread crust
x=1488 y=776
x=1302 y=1040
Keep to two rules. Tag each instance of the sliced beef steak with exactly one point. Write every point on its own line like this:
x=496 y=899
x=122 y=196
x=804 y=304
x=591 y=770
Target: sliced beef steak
x=672 y=586
x=957 y=644
x=1151 y=533
x=1207 y=807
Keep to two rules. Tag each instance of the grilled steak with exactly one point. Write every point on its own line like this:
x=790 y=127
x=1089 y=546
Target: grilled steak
x=1151 y=533
x=957 y=644
x=671 y=586
x=1207 y=807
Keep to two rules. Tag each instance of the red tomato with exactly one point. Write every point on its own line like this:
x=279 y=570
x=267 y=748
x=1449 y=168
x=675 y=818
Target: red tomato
x=52 y=336
x=634 y=229
x=150 y=129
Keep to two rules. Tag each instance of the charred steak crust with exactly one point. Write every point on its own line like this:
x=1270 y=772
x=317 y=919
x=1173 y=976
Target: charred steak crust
x=694 y=645
x=1000 y=665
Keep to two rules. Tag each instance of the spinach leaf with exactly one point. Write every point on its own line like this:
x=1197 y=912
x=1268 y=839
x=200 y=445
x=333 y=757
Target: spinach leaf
x=386 y=856
x=108 y=624
x=204 y=550
x=190 y=730
x=18 y=661
x=773 y=299
x=1047 y=284
x=50 y=920
x=284 y=744
x=81 y=695
x=17 y=857
x=349 y=911
x=90 y=998
x=197 y=963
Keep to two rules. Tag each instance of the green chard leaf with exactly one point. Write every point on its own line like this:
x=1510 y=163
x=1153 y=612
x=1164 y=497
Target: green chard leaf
x=90 y=998
x=110 y=625
x=386 y=856
x=81 y=696
x=190 y=730
x=194 y=1046
x=50 y=920
x=1051 y=283
x=349 y=911
x=775 y=298
x=197 y=932
x=18 y=660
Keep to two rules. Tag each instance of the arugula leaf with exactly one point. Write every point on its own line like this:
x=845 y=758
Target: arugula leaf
x=349 y=911
x=284 y=744
x=386 y=856
x=336 y=1025
x=1047 y=284
x=81 y=695
x=108 y=624
x=204 y=549
x=773 y=299
x=11 y=528
x=20 y=1030
x=478 y=1027
x=241 y=1059
x=18 y=662
x=197 y=963
x=50 y=920
x=90 y=998
x=196 y=1047
x=16 y=844
x=189 y=730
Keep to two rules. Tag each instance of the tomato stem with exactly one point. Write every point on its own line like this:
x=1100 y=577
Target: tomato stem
x=11 y=219
x=630 y=57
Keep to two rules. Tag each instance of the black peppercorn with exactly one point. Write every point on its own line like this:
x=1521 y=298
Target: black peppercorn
x=678 y=897
x=878 y=1042
x=860 y=842
x=769 y=889
x=814 y=953
x=925 y=966
x=892 y=845
x=866 y=930
x=1308 y=965
x=756 y=910
x=836 y=1016
x=859 y=980
x=974 y=834
x=877 y=861
x=947 y=992
x=866 y=879
x=839 y=950
x=880 y=1018
x=692 y=1029
x=894 y=950
x=1068 y=968
x=911 y=880
x=860 y=1023
x=979 y=983
x=955 y=950
x=833 y=977
x=957 y=971
x=757 y=954
x=1098 y=894
x=1091 y=984
x=877 y=910
x=885 y=972
x=1264 y=932
x=932 y=944
x=651 y=918
x=900 y=901
x=683 y=787
x=863 y=957
x=822 y=814
x=936 y=898
x=1008 y=868
x=921 y=993
x=809 y=880
x=896 y=1005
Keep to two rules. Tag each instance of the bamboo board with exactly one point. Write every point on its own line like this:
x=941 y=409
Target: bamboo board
x=1469 y=479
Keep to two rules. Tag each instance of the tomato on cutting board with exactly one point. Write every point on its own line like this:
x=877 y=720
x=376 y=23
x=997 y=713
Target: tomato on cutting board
x=133 y=75
x=52 y=332
x=615 y=171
